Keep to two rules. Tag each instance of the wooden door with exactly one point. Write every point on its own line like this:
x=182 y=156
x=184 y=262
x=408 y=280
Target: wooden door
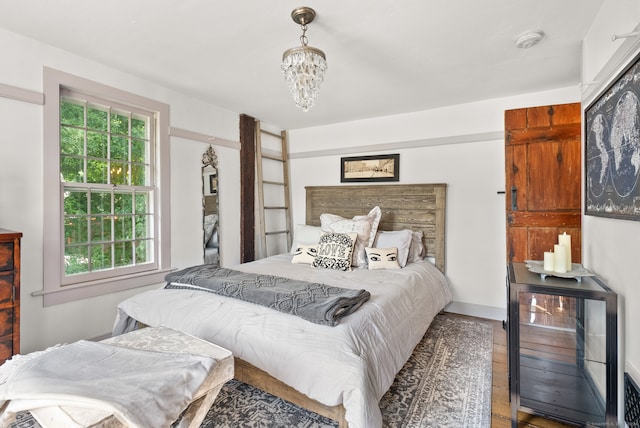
x=543 y=186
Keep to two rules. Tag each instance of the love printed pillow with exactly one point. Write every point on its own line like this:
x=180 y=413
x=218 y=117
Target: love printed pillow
x=334 y=251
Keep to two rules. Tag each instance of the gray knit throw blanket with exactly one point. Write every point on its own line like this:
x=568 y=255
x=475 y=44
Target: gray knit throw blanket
x=318 y=303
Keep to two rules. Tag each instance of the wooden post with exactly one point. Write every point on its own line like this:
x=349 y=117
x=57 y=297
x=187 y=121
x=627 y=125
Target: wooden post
x=247 y=187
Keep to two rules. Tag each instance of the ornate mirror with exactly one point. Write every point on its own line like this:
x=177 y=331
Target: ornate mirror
x=211 y=219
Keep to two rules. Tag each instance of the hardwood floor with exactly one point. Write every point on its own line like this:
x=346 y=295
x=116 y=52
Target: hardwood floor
x=500 y=406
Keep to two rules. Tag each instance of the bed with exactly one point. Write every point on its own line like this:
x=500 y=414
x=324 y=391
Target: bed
x=337 y=371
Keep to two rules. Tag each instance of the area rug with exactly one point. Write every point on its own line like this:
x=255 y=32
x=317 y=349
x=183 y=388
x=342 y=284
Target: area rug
x=445 y=383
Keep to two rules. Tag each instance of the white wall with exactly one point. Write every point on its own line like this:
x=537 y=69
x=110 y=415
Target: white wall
x=460 y=145
x=611 y=248
x=21 y=206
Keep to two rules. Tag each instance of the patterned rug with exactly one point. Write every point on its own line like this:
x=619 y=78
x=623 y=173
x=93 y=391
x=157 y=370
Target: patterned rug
x=445 y=383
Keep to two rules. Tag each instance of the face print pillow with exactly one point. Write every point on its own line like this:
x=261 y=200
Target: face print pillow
x=304 y=254
x=382 y=258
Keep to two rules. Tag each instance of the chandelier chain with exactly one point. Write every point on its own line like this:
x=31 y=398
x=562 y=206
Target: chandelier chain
x=303 y=37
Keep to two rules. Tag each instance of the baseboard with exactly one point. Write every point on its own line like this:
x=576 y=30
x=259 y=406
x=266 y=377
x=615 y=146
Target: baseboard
x=480 y=311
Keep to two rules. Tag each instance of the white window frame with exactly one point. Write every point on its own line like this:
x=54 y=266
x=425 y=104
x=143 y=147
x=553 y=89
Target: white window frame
x=53 y=234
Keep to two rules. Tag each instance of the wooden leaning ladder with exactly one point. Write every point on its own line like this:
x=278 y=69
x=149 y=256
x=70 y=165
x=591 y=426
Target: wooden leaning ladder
x=276 y=201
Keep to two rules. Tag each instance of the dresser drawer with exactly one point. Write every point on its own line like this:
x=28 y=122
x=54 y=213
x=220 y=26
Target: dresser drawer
x=9 y=293
x=6 y=256
x=6 y=322
x=6 y=287
x=6 y=347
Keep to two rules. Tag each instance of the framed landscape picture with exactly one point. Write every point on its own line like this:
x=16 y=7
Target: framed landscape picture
x=612 y=151
x=370 y=168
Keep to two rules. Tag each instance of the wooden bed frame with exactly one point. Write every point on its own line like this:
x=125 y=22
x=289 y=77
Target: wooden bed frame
x=404 y=206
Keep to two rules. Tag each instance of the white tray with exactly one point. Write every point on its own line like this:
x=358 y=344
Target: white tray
x=577 y=272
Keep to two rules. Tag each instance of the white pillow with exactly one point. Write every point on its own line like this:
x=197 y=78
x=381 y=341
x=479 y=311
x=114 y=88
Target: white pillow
x=401 y=239
x=305 y=254
x=374 y=217
x=335 y=251
x=363 y=225
x=382 y=258
x=417 y=251
x=304 y=234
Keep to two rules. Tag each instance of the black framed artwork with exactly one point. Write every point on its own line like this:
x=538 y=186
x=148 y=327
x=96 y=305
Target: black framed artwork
x=370 y=168
x=612 y=150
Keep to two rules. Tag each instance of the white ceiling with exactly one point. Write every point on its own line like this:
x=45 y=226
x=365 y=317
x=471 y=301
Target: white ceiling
x=385 y=56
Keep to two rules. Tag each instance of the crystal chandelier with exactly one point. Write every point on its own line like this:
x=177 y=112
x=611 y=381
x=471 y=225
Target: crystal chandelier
x=303 y=67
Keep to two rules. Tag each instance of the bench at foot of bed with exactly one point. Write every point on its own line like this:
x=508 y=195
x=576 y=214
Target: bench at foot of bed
x=159 y=339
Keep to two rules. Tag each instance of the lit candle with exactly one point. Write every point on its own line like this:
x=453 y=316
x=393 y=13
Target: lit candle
x=565 y=240
x=560 y=258
x=548 y=261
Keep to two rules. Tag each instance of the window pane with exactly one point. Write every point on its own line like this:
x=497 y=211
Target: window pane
x=142 y=203
x=119 y=148
x=76 y=260
x=76 y=230
x=97 y=118
x=142 y=224
x=123 y=203
x=139 y=128
x=138 y=151
x=124 y=252
x=119 y=173
x=71 y=141
x=142 y=255
x=97 y=172
x=119 y=124
x=100 y=202
x=101 y=257
x=71 y=113
x=71 y=169
x=100 y=228
x=97 y=145
x=123 y=227
x=75 y=202
x=138 y=175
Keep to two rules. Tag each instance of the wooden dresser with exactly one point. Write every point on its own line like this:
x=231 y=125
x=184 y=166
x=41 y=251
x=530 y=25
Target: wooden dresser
x=9 y=293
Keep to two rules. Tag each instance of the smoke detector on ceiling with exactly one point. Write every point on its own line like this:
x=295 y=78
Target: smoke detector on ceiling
x=529 y=39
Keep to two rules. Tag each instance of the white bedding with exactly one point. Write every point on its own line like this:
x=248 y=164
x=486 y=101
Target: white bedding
x=353 y=363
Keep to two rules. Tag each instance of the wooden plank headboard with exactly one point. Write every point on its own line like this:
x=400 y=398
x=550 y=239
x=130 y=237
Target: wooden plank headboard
x=404 y=206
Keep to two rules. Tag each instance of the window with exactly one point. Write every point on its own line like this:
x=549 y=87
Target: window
x=106 y=159
x=106 y=188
